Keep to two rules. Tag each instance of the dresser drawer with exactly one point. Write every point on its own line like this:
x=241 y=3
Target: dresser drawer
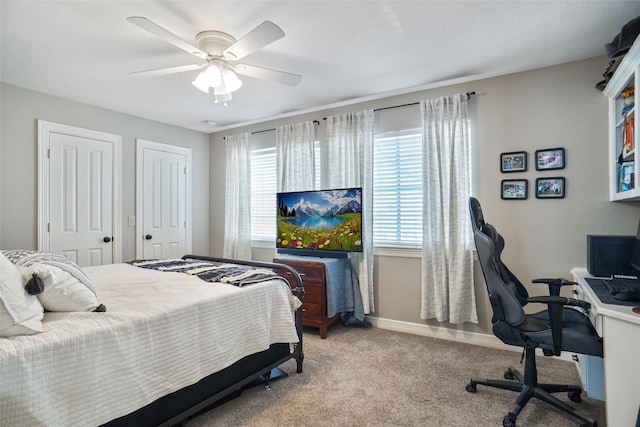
x=313 y=294
x=310 y=272
x=312 y=312
x=313 y=290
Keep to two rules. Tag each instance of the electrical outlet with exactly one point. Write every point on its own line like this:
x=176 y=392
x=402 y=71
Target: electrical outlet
x=132 y=221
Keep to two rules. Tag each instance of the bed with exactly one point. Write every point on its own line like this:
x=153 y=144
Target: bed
x=168 y=346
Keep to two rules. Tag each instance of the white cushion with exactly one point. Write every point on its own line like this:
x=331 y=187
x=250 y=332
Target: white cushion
x=20 y=313
x=62 y=291
x=27 y=257
x=66 y=286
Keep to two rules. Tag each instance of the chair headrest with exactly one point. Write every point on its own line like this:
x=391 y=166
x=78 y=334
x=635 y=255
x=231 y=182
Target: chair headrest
x=477 y=218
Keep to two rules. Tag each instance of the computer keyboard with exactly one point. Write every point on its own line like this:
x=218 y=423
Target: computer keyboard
x=615 y=286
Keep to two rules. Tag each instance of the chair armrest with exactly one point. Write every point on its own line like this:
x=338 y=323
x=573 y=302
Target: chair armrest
x=555 y=306
x=554 y=284
x=562 y=301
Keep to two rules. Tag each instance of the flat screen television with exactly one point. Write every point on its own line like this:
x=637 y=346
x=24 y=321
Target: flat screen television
x=323 y=223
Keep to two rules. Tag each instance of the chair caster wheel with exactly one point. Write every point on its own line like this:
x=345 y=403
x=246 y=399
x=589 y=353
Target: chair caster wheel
x=508 y=375
x=574 y=396
x=509 y=420
x=471 y=388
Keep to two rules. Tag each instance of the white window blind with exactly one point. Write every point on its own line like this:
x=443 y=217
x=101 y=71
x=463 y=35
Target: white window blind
x=397 y=189
x=263 y=194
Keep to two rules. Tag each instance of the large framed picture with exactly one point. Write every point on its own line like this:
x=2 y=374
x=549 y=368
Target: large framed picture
x=550 y=188
x=514 y=189
x=513 y=162
x=551 y=158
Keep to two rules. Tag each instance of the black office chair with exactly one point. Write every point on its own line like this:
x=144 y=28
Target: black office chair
x=558 y=328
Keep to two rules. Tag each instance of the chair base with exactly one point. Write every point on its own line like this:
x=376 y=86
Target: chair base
x=529 y=388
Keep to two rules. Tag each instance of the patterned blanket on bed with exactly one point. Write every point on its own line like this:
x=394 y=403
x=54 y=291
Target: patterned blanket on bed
x=225 y=273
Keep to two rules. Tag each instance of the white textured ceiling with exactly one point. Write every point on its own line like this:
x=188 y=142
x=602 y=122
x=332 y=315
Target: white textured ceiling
x=345 y=50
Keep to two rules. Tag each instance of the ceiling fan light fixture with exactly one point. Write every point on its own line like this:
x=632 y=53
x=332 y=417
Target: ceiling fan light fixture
x=209 y=78
x=231 y=81
x=200 y=84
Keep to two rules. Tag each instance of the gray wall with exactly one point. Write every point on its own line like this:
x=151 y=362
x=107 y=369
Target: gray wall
x=545 y=108
x=19 y=111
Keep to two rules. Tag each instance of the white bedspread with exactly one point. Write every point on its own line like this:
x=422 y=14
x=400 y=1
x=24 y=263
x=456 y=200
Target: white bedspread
x=161 y=332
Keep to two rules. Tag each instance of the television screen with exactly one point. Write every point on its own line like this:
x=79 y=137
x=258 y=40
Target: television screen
x=319 y=221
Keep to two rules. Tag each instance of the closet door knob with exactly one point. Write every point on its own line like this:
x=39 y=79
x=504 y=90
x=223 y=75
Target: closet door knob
x=148 y=237
x=106 y=239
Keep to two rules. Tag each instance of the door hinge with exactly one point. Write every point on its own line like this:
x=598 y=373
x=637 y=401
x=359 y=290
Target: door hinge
x=48 y=227
x=48 y=153
x=185 y=170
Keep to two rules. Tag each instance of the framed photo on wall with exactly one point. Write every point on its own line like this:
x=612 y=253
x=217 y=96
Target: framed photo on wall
x=550 y=188
x=514 y=189
x=551 y=158
x=513 y=162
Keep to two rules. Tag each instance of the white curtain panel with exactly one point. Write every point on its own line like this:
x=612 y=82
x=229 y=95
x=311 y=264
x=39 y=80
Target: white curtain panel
x=295 y=148
x=349 y=163
x=237 y=220
x=447 y=251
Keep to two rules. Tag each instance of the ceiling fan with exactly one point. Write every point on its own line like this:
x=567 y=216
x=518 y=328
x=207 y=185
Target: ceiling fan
x=219 y=51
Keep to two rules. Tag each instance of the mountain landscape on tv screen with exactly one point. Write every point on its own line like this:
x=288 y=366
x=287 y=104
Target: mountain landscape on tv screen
x=320 y=220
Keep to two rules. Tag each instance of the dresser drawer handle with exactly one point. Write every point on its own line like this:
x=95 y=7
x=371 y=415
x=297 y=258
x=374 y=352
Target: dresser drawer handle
x=299 y=274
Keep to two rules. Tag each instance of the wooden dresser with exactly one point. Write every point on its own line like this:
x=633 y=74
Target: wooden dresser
x=315 y=293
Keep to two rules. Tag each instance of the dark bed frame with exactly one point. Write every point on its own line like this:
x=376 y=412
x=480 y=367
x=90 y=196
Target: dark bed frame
x=176 y=407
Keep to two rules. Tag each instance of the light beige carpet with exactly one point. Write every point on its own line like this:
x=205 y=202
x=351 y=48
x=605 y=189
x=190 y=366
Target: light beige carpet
x=375 y=377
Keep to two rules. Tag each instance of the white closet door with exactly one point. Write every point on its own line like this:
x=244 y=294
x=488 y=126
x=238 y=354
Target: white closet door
x=81 y=192
x=165 y=204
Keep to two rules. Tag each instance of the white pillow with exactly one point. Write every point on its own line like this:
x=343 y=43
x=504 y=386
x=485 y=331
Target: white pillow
x=20 y=313
x=27 y=257
x=62 y=291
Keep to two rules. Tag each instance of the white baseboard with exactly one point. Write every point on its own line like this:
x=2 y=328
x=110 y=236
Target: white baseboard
x=476 y=338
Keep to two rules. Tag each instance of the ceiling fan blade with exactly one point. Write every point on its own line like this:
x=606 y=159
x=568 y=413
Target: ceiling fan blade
x=267 y=74
x=168 y=36
x=264 y=34
x=164 y=71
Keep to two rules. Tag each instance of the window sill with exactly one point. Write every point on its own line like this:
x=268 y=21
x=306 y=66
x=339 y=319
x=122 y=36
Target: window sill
x=263 y=244
x=398 y=252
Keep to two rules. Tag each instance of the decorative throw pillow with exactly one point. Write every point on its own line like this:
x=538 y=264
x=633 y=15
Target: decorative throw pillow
x=66 y=287
x=62 y=291
x=26 y=258
x=20 y=313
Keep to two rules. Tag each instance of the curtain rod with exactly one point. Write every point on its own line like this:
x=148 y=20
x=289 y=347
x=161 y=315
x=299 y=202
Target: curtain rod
x=469 y=95
x=315 y=122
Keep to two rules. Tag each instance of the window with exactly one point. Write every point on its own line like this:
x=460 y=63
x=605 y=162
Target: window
x=397 y=189
x=263 y=194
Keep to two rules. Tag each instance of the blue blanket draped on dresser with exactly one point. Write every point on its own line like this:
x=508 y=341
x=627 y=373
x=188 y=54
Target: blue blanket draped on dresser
x=343 y=288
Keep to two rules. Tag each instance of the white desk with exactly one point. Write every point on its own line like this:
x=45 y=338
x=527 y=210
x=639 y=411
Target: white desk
x=619 y=328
